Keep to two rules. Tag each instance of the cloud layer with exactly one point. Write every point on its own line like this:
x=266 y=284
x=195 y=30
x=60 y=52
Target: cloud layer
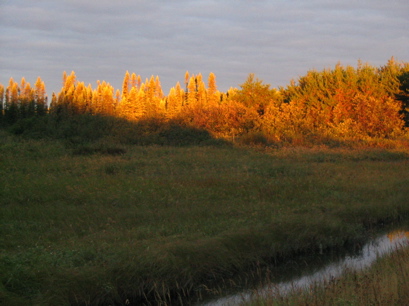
x=278 y=40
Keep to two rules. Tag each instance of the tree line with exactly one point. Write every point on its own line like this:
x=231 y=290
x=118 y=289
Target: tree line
x=341 y=103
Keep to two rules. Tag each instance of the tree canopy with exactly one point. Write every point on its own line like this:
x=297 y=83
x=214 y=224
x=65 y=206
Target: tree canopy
x=340 y=103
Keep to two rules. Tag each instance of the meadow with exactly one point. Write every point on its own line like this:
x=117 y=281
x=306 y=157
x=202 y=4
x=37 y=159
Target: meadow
x=110 y=223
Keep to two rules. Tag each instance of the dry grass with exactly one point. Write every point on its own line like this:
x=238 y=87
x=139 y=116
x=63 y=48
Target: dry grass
x=384 y=283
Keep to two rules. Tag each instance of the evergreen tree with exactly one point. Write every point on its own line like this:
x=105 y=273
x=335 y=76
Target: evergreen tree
x=152 y=96
x=343 y=103
x=158 y=88
x=117 y=99
x=212 y=95
x=388 y=77
x=134 y=80
x=40 y=97
x=254 y=94
x=201 y=93
x=139 y=81
x=108 y=100
x=54 y=102
x=160 y=96
x=96 y=104
x=22 y=85
x=191 y=92
x=125 y=85
x=64 y=78
x=1 y=104
x=132 y=105
x=23 y=98
x=11 y=108
x=175 y=101
x=395 y=79
x=141 y=104
x=29 y=101
x=90 y=94
x=171 y=104
x=180 y=97
x=403 y=94
x=123 y=108
x=80 y=99
x=187 y=78
x=65 y=105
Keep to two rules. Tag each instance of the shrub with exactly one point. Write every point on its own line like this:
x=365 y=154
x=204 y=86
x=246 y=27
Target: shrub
x=256 y=138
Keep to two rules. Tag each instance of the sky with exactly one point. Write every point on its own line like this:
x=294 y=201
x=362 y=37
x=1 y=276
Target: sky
x=277 y=40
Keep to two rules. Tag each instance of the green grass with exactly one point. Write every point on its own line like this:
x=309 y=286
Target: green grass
x=114 y=222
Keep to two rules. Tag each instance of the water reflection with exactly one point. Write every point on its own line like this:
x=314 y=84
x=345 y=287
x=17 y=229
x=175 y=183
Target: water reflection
x=368 y=254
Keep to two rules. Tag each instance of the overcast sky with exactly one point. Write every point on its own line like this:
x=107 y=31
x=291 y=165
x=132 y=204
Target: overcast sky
x=278 y=40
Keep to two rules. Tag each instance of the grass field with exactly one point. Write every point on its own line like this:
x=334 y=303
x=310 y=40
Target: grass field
x=117 y=224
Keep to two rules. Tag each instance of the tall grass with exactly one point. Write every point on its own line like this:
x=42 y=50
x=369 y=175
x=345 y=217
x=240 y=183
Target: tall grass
x=384 y=283
x=154 y=224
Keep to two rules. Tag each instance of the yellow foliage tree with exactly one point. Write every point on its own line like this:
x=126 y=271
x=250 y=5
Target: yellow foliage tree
x=40 y=97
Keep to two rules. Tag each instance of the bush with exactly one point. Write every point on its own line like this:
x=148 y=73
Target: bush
x=177 y=135
x=255 y=138
x=34 y=127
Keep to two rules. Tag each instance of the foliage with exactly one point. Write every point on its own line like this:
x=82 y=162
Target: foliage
x=254 y=94
x=336 y=106
x=223 y=120
x=340 y=104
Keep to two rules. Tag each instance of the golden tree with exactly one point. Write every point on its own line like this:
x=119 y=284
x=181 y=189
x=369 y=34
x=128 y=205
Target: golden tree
x=40 y=97
x=134 y=80
x=141 y=103
x=171 y=104
x=175 y=101
x=125 y=85
x=201 y=94
x=65 y=100
x=187 y=78
x=11 y=105
x=191 y=92
x=80 y=101
x=103 y=99
x=151 y=97
x=26 y=102
x=254 y=94
x=213 y=96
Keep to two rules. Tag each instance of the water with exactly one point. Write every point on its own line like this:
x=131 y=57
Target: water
x=364 y=258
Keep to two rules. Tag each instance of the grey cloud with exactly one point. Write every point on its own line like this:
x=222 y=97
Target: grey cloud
x=278 y=39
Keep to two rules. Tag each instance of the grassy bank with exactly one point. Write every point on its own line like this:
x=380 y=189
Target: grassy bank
x=111 y=224
x=384 y=283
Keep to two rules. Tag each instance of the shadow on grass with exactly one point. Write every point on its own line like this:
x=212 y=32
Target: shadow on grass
x=93 y=134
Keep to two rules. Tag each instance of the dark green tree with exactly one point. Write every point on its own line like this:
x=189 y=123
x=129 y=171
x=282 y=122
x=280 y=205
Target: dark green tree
x=403 y=94
x=1 y=104
x=395 y=80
